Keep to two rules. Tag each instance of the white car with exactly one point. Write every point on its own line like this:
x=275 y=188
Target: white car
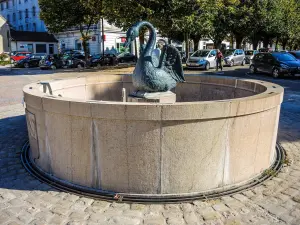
x=204 y=59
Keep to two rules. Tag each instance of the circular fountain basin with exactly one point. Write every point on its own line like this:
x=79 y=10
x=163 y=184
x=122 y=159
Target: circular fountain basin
x=221 y=132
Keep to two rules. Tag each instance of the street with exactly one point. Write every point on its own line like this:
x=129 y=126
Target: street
x=25 y=200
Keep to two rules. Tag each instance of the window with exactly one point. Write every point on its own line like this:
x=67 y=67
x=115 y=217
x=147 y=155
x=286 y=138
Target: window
x=2 y=6
x=213 y=53
x=51 y=49
x=41 y=48
x=20 y=15
x=7 y=4
x=33 y=11
x=21 y=28
x=8 y=18
x=26 y=13
x=14 y=17
x=34 y=27
x=19 y=1
x=258 y=57
x=27 y=27
x=13 y=2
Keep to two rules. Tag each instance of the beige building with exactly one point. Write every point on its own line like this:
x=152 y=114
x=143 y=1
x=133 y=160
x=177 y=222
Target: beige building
x=4 y=34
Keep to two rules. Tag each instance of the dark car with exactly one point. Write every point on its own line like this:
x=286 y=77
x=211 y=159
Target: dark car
x=106 y=60
x=74 y=61
x=296 y=54
x=126 y=57
x=51 y=62
x=276 y=64
x=31 y=61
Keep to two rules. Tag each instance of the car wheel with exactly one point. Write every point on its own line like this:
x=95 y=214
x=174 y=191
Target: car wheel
x=231 y=63
x=121 y=61
x=98 y=66
x=26 y=65
x=53 y=67
x=80 y=66
x=207 y=66
x=275 y=73
x=12 y=61
x=252 y=69
x=243 y=63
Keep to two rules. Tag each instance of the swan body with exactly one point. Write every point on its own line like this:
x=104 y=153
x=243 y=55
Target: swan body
x=147 y=75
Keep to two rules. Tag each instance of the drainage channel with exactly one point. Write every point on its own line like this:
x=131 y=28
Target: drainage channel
x=140 y=198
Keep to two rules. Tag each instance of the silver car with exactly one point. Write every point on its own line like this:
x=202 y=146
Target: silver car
x=234 y=57
x=204 y=59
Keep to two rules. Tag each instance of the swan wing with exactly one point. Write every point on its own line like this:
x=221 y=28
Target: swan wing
x=170 y=61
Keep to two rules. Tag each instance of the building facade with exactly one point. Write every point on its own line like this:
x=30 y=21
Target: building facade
x=22 y=15
x=4 y=34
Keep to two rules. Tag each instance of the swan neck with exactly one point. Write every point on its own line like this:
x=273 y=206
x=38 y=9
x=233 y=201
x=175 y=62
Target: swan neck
x=152 y=39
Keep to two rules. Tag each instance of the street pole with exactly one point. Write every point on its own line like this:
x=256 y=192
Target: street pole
x=102 y=27
x=9 y=43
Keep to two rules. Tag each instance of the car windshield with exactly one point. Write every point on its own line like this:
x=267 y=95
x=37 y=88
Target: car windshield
x=296 y=54
x=228 y=52
x=200 y=54
x=284 y=57
x=249 y=52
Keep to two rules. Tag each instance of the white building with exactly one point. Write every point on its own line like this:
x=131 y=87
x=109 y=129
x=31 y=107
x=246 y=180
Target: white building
x=114 y=37
x=23 y=15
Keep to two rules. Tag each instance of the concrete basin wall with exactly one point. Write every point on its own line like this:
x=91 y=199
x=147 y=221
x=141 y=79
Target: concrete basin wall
x=221 y=132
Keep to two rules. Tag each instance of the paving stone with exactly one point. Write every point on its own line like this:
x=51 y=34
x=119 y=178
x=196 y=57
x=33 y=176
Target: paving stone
x=25 y=217
x=220 y=207
x=79 y=216
x=159 y=220
x=97 y=217
x=57 y=219
x=124 y=220
x=191 y=218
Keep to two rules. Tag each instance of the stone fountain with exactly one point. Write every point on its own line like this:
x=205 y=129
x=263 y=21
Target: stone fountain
x=219 y=133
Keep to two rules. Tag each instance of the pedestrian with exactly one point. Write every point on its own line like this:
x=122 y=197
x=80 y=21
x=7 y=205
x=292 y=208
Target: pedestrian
x=219 y=58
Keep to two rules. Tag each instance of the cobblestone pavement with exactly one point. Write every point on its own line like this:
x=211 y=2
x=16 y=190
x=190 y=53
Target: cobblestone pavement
x=25 y=200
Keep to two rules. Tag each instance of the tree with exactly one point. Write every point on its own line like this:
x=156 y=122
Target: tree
x=290 y=20
x=60 y=15
x=174 y=19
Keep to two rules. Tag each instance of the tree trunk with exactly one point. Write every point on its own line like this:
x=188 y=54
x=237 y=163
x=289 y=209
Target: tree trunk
x=217 y=44
x=231 y=41
x=276 y=44
x=239 y=40
x=196 y=44
x=266 y=42
x=187 y=46
x=284 y=42
x=84 y=43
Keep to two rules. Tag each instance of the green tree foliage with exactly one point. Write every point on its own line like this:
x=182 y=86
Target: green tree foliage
x=60 y=15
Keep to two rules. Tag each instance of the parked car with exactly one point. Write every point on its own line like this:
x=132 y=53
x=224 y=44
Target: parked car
x=51 y=62
x=296 y=54
x=249 y=54
x=30 y=61
x=126 y=57
x=204 y=59
x=74 y=61
x=106 y=60
x=234 y=57
x=19 y=55
x=275 y=63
